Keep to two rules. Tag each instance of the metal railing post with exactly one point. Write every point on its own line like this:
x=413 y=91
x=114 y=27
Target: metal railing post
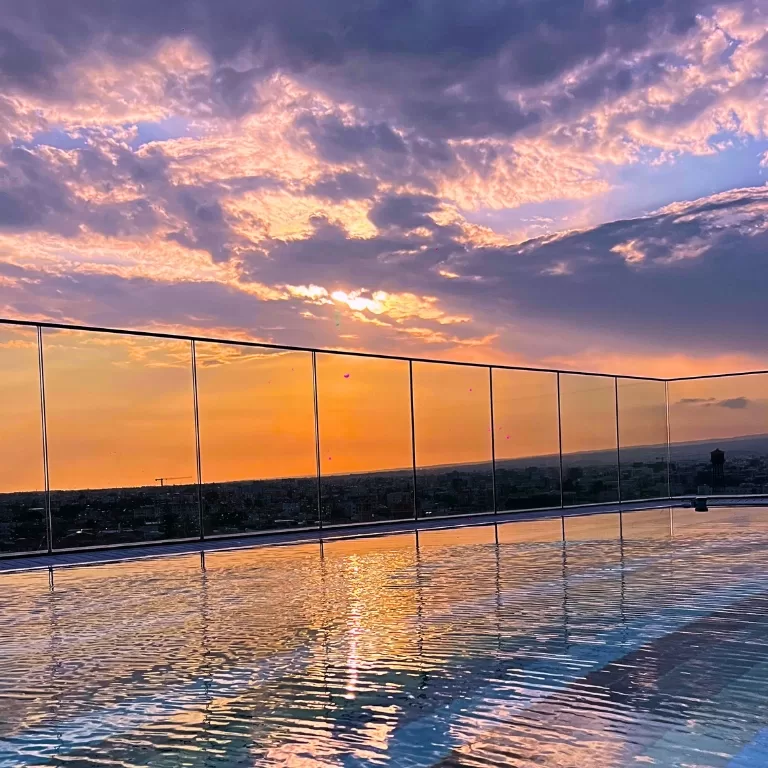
x=44 y=427
x=618 y=454
x=413 y=442
x=669 y=442
x=560 y=451
x=317 y=442
x=493 y=441
x=560 y=438
x=198 y=462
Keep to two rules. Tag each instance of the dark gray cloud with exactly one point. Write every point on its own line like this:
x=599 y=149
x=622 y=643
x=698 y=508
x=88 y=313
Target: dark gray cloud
x=404 y=212
x=35 y=196
x=113 y=301
x=442 y=68
x=214 y=309
x=735 y=403
x=710 y=302
x=35 y=193
x=343 y=186
x=31 y=194
x=338 y=142
x=700 y=285
x=693 y=276
x=412 y=78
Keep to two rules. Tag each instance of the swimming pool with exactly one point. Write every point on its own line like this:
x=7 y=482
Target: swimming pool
x=469 y=647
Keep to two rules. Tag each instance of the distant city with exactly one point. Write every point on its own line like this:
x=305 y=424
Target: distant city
x=82 y=518
x=744 y=469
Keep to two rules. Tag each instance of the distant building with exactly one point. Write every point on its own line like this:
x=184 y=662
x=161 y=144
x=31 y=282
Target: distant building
x=718 y=468
x=291 y=510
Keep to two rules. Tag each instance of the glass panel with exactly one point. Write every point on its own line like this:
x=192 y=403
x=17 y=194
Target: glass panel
x=22 y=479
x=366 y=458
x=588 y=414
x=642 y=439
x=257 y=438
x=452 y=414
x=121 y=438
x=527 y=443
x=719 y=435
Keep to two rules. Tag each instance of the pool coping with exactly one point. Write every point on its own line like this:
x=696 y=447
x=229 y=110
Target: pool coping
x=150 y=550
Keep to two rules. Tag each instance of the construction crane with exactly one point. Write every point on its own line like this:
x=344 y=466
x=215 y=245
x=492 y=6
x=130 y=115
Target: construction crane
x=162 y=480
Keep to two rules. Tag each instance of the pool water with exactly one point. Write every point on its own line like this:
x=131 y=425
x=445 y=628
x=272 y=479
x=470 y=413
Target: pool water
x=481 y=646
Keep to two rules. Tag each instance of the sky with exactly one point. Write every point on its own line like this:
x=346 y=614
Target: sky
x=566 y=183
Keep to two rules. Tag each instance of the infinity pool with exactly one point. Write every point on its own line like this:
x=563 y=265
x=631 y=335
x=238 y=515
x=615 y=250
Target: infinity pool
x=473 y=647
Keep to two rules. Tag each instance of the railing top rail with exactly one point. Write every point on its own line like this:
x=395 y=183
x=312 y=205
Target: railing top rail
x=294 y=348
x=717 y=375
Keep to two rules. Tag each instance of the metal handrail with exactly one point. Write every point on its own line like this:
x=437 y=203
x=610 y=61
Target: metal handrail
x=317 y=350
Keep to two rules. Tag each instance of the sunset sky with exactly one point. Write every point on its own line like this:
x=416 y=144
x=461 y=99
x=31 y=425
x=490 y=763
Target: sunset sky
x=551 y=182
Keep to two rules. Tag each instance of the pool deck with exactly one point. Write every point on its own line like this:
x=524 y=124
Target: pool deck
x=147 y=550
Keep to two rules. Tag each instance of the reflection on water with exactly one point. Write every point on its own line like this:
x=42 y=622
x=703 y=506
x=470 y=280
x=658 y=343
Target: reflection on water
x=478 y=646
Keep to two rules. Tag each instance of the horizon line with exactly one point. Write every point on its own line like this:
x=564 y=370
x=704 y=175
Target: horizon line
x=408 y=469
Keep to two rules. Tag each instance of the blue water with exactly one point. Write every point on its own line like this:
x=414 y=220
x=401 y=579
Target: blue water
x=469 y=647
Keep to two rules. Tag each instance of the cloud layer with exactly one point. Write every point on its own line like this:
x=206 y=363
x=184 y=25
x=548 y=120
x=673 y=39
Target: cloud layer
x=524 y=181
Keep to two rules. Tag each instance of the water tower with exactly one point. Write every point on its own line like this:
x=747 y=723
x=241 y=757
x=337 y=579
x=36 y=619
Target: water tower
x=718 y=468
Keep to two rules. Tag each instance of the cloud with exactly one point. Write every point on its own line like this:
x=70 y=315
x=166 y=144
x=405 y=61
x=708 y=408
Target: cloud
x=239 y=161
x=735 y=403
x=344 y=185
x=488 y=106
x=338 y=142
x=698 y=285
x=404 y=212
x=31 y=195
x=732 y=403
x=537 y=41
x=445 y=71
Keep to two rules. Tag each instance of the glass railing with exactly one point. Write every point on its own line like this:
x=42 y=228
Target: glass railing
x=114 y=438
x=718 y=428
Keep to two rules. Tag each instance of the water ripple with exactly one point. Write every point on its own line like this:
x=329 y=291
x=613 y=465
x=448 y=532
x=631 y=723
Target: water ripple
x=478 y=647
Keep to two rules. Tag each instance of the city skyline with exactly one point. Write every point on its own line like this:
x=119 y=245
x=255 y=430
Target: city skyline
x=83 y=517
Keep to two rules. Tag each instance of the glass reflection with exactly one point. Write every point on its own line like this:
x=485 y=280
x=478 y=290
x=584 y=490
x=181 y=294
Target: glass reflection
x=588 y=416
x=598 y=527
x=365 y=439
x=453 y=439
x=526 y=439
x=647 y=524
x=719 y=435
x=642 y=438
x=531 y=531
x=121 y=438
x=22 y=479
x=257 y=438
